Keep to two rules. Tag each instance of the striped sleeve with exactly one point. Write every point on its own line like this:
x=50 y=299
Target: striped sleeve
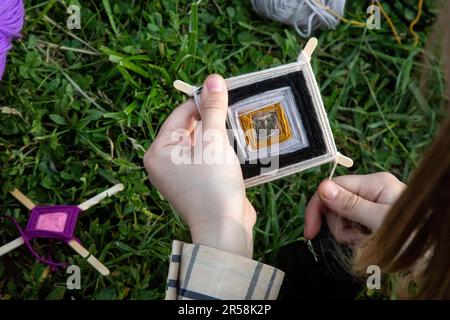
x=203 y=273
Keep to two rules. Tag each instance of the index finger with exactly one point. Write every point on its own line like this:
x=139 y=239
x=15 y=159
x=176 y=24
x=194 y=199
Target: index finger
x=369 y=186
x=313 y=216
x=181 y=119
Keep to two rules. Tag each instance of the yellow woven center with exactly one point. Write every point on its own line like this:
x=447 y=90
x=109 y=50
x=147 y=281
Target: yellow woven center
x=260 y=126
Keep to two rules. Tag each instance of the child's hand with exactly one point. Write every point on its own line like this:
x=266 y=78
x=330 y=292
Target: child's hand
x=207 y=191
x=364 y=199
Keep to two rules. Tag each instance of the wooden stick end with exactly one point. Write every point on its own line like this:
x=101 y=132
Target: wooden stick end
x=344 y=161
x=310 y=47
x=184 y=87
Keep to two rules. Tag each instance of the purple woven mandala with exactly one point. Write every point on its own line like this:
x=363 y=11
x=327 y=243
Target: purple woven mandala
x=56 y=222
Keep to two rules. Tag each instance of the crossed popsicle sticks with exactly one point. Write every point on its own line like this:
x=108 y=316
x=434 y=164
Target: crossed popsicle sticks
x=57 y=222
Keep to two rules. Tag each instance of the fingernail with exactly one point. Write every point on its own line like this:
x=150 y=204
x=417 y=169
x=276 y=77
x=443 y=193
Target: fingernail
x=214 y=84
x=331 y=191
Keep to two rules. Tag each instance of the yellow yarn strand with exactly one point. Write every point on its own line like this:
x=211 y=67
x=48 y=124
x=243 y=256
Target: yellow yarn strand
x=386 y=16
x=390 y=23
x=414 y=22
x=337 y=15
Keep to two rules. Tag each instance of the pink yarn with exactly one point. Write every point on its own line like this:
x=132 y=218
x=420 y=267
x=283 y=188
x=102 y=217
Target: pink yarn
x=54 y=222
x=12 y=13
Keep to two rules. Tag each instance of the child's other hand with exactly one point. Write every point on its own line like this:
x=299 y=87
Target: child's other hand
x=364 y=199
x=207 y=188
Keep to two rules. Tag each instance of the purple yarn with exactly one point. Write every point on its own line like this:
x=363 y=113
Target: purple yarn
x=12 y=13
x=35 y=230
x=65 y=234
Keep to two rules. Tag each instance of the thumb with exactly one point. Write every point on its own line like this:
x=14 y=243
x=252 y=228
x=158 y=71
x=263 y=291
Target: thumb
x=350 y=205
x=214 y=103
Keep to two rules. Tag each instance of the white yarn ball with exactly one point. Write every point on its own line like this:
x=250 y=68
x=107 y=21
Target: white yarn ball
x=305 y=15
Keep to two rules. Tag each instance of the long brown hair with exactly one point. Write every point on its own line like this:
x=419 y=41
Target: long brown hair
x=414 y=240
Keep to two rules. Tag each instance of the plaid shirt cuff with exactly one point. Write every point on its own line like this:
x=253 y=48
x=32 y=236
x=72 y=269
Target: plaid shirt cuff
x=203 y=273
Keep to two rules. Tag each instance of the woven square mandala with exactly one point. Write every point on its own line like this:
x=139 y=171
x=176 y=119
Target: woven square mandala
x=57 y=222
x=278 y=121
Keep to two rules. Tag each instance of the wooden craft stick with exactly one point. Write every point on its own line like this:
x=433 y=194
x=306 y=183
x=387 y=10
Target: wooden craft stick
x=343 y=160
x=184 y=87
x=310 y=47
x=23 y=199
x=108 y=193
x=11 y=246
x=93 y=261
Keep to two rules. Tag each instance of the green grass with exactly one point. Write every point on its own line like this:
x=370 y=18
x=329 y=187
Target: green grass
x=78 y=111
